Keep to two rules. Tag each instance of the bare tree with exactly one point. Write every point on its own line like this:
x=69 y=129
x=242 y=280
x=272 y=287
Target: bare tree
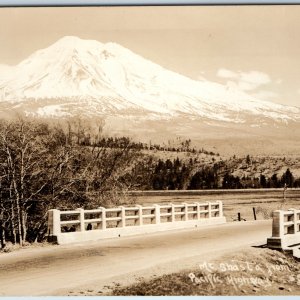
x=43 y=167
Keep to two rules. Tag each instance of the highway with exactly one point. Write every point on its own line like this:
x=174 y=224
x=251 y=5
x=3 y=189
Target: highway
x=69 y=269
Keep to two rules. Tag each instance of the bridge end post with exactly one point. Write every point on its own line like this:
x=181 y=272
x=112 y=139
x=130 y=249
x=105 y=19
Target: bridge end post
x=276 y=241
x=54 y=229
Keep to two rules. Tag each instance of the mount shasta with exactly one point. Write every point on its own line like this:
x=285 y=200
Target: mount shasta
x=85 y=77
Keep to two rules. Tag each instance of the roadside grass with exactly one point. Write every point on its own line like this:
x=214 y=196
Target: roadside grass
x=254 y=272
x=10 y=247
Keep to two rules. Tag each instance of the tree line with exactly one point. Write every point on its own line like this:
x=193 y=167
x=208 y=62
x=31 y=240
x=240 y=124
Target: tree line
x=178 y=175
x=119 y=142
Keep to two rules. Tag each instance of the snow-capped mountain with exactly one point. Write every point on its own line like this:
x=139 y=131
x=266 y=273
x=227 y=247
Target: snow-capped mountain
x=75 y=76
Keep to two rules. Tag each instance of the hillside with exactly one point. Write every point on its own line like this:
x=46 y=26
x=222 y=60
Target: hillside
x=163 y=170
x=237 y=165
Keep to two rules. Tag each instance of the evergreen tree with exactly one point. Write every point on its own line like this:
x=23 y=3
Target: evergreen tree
x=263 y=181
x=287 y=178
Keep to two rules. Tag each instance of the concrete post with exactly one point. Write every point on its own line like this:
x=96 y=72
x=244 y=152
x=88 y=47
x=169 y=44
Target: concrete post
x=198 y=210
x=295 y=221
x=172 y=212
x=209 y=209
x=277 y=225
x=277 y=241
x=297 y=218
x=103 y=217
x=54 y=222
x=220 y=208
x=123 y=221
x=81 y=218
x=157 y=213
x=140 y=214
x=186 y=212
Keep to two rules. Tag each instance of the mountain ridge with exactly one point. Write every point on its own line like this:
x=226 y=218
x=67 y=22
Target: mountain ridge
x=141 y=99
x=117 y=79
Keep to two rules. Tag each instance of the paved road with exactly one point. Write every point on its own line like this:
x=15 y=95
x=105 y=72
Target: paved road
x=57 y=270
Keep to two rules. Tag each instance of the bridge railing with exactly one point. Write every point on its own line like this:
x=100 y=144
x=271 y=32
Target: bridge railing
x=79 y=220
x=285 y=229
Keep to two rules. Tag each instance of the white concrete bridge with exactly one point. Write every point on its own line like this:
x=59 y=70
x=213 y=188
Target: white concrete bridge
x=81 y=225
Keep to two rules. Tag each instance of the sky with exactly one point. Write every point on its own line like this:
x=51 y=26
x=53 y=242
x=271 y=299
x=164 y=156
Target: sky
x=255 y=49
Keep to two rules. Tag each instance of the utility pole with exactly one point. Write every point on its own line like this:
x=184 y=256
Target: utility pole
x=284 y=192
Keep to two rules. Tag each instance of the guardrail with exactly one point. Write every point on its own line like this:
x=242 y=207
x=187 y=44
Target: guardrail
x=82 y=225
x=285 y=229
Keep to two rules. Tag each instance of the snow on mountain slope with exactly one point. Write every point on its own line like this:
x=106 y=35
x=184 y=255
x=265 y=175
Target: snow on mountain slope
x=110 y=78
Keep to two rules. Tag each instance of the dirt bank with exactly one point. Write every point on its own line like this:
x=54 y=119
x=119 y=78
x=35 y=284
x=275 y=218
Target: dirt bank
x=252 y=271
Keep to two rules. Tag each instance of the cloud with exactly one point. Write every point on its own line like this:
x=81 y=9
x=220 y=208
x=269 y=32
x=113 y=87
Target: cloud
x=265 y=95
x=224 y=73
x=245 y=81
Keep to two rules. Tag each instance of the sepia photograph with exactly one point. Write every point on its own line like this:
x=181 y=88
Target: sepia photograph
x=150 y=150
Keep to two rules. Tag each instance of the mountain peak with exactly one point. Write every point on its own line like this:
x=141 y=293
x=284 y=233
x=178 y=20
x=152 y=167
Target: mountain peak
x=116 y=79
x=69 y=41
x=69 y=38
